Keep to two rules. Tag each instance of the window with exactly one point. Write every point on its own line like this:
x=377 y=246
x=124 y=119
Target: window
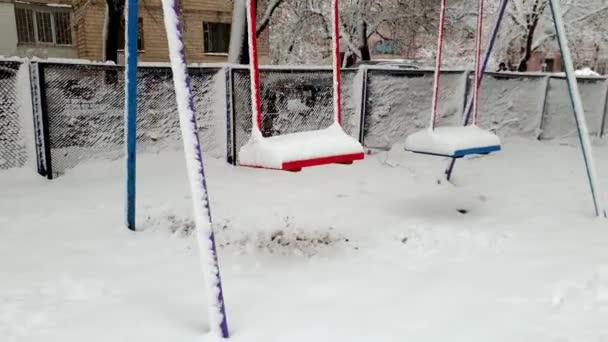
x=549 y=65
x=44 y=27
x=216 y=37
x=140 y=34
x=47 y=26
x=63 y=30
x=25 y=25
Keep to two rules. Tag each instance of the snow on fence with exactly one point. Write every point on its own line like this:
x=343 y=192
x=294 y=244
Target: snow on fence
x=532 y=105
x=398 y=102
x=293 y=100
x=14 y=137
x=78 y=108
x=512 y=104
x=83 y=111
x=558 y=119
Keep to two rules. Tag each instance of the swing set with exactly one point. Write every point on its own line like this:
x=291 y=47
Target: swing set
x=330 y=145
x=455 y=142
x=292 y=152
x=469 y=139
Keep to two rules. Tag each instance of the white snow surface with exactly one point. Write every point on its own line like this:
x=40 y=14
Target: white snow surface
x=375 y=251
x=586 y=72
x=448 y=140
x=272 y=152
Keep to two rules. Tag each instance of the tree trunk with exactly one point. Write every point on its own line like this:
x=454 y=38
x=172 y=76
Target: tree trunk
x=532 y=23
x=527 y=50
x=114 y=21
x=363 y=43
x=362 y=46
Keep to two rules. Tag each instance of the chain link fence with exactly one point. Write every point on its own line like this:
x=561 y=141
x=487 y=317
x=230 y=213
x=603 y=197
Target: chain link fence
x=79 y=108
x=558 y=119
x=83 y=111
x=537 y=106
x=512 y=104
x=398 y=103
x=293 y=100
x=13 y=151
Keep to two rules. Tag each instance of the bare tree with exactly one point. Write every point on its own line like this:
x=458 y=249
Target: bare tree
x=238 y=51
x=302 y=29
x=527 y=15
x=530 y=28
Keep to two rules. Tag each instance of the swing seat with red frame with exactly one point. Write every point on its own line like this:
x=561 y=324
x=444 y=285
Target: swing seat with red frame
x=292 y=152
x=459 y=141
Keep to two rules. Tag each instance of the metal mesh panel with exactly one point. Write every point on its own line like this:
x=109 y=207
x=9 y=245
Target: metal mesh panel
x=85 y=111
x=351 y=101
x=294 y=100
x=399 y=102
x=12 y=148
x=511 y=104
x=558 y=118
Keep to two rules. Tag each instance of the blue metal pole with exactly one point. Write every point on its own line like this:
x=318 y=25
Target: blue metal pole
x=579 y=112
x=131 y=35
x=469 y=108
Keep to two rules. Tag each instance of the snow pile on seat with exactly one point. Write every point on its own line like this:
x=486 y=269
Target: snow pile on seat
x=453 y=141
x=276 y=152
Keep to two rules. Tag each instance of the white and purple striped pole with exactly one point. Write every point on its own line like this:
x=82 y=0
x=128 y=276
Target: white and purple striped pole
x=196 y=170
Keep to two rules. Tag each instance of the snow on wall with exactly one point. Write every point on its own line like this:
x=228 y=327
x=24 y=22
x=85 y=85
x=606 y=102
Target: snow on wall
x=13 y=147
x=26 y=112
x=512 y=105
x=399 y=103
x=86 y=112
x=558 y=121
x=351 y=101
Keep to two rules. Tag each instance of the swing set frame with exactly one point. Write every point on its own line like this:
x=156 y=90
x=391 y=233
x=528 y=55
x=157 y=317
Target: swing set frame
x=193 y=149
x=470 y=113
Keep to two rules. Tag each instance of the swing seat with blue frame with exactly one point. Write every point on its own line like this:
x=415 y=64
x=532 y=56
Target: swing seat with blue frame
x=459 y=141
x=453 y=142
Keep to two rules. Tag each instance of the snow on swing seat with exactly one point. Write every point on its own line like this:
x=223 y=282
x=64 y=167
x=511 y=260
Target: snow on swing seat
x=292 y=152
x=454 y=142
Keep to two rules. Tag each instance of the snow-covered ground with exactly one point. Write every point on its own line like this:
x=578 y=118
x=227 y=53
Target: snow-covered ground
x=377 y=251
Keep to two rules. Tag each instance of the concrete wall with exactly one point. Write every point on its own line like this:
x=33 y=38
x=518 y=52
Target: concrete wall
x=8 y=29
x=46 y=52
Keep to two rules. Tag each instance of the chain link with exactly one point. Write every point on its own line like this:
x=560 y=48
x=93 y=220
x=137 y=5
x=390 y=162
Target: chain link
x=85 y=109
x=293 y=101
x=12 y=145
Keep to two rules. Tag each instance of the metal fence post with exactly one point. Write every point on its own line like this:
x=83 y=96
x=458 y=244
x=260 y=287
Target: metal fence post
x=363 y=105
x=543 y=106
x=605 y=118
x=465 y=95
x=230 y=158
x=45 y=129
x=37 y=118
